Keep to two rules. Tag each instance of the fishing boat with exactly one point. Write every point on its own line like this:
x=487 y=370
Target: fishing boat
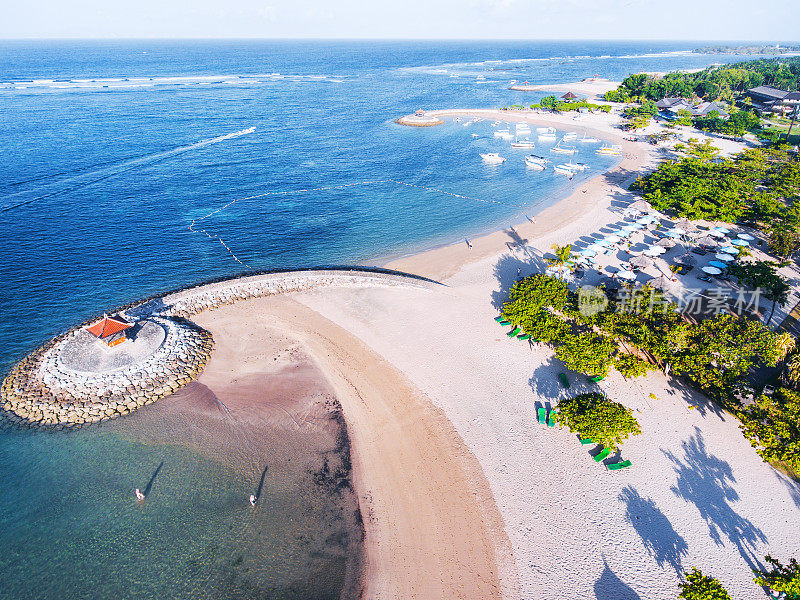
x=526 y=143
x=547 y=137
x=613 y=150
x=564 y=170
x=569 y=136
x=545 y=130
x=559 y=149
x=589 y=140
x=492 y=158
x=536 y=162
x=504 y=134
x=576 y=166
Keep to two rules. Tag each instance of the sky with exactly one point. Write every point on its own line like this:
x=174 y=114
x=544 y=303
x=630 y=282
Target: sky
x=405 y=19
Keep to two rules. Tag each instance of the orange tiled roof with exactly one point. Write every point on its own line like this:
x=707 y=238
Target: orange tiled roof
x=108 y=326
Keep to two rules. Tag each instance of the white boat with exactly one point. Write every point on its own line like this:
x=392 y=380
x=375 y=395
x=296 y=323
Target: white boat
x=536 y=162
x=522 y=144
x=546 y=130
x=564 y=170
x=547 y=137
x=564 y=149
x=492 y=158
x=570 y=136
x=522 y=126
x=503 y=134
x=613 y=150
x=576 y=166
x=466 y=123
x=453 y=75
x=475 y=135
x=589 y=140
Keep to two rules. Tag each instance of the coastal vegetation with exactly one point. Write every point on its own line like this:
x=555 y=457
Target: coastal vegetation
x=728 y=82
x=781 y=578
x=556 y=105
x=701 y=587
x=759 y=185
x=751 y=49
x=593 y=416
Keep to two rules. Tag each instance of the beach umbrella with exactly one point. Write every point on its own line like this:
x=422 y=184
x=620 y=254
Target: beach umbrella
x=661 y=283
x=644 y=220
x=716 y=234
x=623 y=233
x=745 y=236
x=641 y=206
x=588 y=252
x=654 y=251
x=673 y=235
x=725 y=257
x=666 y=243
x=686 y=259
x=717 y=263
x=707 y=240
x=712 y=270
x=722 y=229
x=612 y=238
x=677 y=230
x=685 y=224
x=629 y=275
x=729 y=250
x=640 y=262
x=603 y=243
x=740 y=243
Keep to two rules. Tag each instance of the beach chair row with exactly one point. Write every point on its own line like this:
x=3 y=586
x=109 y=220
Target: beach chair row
x=516 y=330
x=603 y=454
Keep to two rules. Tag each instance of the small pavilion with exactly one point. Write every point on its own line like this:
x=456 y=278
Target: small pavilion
x=110 y=331
x=569 y=97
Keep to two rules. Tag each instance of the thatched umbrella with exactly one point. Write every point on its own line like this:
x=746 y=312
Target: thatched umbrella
x=666 y=243
x=661 y=283
x=707 y=240
x=641 y=262
x=686 y=225
x=686 y=259
x=641 y=206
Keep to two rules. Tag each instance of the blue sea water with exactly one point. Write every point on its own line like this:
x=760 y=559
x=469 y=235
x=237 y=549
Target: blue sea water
x=110 y=150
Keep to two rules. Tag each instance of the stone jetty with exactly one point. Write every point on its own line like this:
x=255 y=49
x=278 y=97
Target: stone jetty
x=72 y=381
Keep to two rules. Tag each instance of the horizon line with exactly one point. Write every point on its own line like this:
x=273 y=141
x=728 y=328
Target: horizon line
x=397 y=39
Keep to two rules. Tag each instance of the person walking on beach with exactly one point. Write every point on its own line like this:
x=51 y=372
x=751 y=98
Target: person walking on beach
x=468 y=244
x=139 y=495
x=253 y=499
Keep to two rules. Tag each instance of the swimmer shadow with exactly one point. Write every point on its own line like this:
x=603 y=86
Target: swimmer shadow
x=261 y=482
x=149 y=485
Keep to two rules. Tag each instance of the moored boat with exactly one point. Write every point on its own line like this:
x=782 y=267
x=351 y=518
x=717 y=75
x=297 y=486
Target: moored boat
x=492 y=158
x=536 y=162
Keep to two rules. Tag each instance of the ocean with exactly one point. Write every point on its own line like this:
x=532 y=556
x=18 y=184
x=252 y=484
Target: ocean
x=131 y=168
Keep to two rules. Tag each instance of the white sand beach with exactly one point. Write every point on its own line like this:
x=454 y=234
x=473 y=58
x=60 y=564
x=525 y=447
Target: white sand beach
x=591 y=88
x=463 y=493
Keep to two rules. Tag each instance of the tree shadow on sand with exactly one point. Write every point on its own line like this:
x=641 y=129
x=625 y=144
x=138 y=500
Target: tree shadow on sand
x=610 y=587
x=657 y=533
x=510 y=267
x=544 y=380
x=708 y=482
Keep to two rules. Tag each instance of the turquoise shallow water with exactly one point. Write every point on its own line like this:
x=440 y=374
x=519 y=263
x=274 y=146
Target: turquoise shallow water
x=108 y=152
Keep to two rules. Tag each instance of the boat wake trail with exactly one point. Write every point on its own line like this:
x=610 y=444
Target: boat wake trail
x=64 y=182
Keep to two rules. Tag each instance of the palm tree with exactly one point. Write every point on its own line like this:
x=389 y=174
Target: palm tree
x=562 y=255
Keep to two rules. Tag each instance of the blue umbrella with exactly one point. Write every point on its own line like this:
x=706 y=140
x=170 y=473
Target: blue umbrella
x=717 y=263
x=722 y=229
x=673 y=234
x=603 y=243
x=729 y=250
x=740 y=243
x=588 y=252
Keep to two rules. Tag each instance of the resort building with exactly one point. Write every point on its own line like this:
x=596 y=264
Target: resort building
x=110 y=331
x=771 y=99
x=669 y=107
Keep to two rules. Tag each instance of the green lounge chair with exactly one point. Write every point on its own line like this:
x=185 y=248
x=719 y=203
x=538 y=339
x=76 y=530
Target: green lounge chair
x=542 y=415
x=587 y=441
x=620 y=465
x=563 y=379
x=596 y=378
x=504 y=322
x=603 y=455
x=500 y=318
x=550 y=421
x=524 y=336
x=514 y=331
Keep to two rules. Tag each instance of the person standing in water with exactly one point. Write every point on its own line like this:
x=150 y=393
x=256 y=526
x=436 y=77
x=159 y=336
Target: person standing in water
x=253 y=499
x=139 y=495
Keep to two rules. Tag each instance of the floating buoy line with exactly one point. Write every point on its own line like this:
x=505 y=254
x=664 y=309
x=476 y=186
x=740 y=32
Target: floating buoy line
x=214 y=237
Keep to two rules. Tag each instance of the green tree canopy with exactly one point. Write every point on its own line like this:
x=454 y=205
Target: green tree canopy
x=781 y=578
x=596 y=417
x=772 y=425
x=588 y=353
x=702 y=587
x=763 y=275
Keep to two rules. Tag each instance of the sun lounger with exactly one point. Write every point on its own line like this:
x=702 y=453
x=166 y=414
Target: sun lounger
x=542 y=415
x=603 y=455
x=504 y=322
x=514 y=331
x=596 y=378
x=500 y=318
x=563 y=379
x=524 y=336
x=550 y=421
x=587 y=441
x=620 y=465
